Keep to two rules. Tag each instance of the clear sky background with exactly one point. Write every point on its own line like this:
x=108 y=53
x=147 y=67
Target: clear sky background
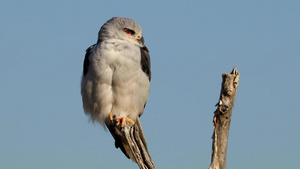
x=42 y=47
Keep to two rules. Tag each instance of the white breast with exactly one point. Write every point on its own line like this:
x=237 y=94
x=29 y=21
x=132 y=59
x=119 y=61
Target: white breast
x=115 y=81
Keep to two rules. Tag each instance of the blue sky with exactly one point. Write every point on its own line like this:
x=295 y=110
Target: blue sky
x=42 y=47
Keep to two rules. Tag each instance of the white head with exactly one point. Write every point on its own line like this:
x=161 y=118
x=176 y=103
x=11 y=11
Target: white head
x=122 y=28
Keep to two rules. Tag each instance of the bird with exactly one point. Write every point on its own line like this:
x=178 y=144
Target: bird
x=116 y=78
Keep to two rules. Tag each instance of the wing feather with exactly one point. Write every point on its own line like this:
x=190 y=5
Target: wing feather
x=86 y=62
x=145 y=61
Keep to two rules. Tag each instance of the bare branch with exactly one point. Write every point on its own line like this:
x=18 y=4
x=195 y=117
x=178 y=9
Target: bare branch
x=138 y=149
x=222 y=118
x=128 y=139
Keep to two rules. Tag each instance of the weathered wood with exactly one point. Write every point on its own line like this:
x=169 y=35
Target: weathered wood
x=130 y=136
x=138 y=149
x=222 y=118
x=128 y=139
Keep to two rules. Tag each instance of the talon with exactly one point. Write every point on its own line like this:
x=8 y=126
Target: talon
x=111 y=116
x=123 y=121
x=126 y=119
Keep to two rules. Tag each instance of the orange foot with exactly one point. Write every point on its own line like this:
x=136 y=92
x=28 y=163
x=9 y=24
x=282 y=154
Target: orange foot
x=121 y=119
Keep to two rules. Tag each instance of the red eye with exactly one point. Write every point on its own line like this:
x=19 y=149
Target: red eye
x=128 y=31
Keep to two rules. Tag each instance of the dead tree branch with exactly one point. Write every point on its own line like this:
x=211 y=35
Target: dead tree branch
x=134 y=147
x=222 y=118
x=138 y=149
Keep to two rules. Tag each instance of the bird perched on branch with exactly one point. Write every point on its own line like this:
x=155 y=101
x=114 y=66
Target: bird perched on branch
x=116 y=77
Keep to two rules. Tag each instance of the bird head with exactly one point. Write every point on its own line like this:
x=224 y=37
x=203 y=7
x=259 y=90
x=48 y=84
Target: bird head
x=122 y=28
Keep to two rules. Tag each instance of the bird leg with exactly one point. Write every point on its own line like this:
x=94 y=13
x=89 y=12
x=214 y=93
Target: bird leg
x=111 y=116
x=121 y=119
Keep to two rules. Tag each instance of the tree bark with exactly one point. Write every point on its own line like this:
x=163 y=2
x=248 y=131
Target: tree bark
x=130 y=136
x=222 y=118
x=138 y=149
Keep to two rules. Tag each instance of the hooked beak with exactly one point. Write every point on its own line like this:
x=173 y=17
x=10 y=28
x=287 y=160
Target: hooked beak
x=141 y=41
x=142 y=45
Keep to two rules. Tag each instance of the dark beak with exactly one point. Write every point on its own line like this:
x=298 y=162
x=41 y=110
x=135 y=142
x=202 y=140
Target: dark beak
x=141 y=41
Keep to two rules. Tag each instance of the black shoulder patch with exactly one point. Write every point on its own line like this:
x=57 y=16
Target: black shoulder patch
x=145 y=61
x=86 y=62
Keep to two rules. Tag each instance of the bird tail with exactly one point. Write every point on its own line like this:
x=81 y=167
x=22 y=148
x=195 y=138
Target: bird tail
x=121 y=142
